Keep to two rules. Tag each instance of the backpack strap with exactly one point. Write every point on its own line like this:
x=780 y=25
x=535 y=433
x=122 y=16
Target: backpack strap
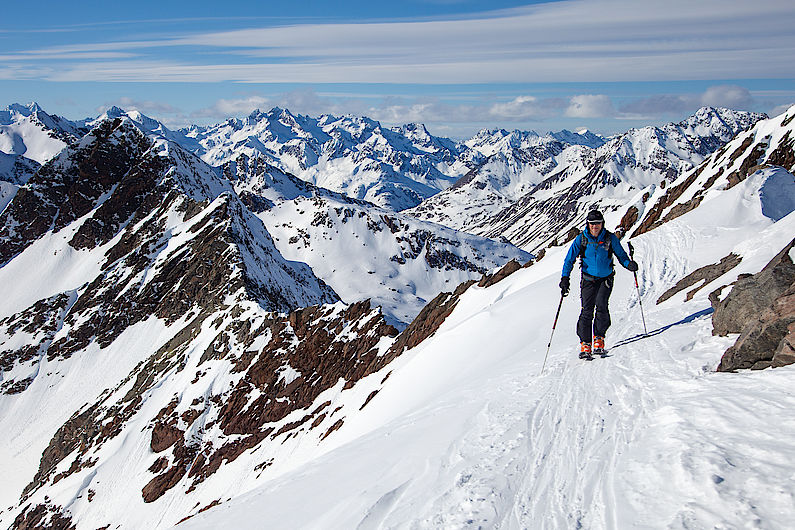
x=607 y=241
x=583 y=244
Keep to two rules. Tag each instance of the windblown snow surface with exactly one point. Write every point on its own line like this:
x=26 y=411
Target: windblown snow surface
x=468 y=432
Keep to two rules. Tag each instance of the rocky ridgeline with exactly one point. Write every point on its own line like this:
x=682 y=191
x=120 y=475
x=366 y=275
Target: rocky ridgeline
x=769 y=144
x=124 y=192
x=250 y=353
x=70 y=186
x=257 y=381
x=168 y=249
x=760 y=306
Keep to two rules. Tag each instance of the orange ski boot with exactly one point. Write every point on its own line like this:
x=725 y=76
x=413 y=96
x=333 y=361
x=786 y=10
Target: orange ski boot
x=585 y=350
x=599 y=345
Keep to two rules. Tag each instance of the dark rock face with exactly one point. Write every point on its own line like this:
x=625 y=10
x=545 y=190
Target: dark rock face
x=627 y=221
x=652 y=219
x=760 y=307
x=40 y=322
x=43 y=517
x=70 y=186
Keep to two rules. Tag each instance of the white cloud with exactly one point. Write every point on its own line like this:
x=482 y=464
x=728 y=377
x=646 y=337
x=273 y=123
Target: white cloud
x=391 y=110
x=224 y=108
x=525 y=108
x=590 y=106
x=731 y=96
x=155 y=108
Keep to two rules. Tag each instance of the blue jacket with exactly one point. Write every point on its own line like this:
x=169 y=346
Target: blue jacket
x=596 y=261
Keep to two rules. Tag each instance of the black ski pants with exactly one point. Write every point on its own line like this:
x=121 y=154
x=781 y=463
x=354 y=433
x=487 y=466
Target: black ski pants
x=594 y=294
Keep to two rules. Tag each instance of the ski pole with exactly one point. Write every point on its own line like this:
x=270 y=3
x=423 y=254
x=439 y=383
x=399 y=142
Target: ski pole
x=635 y=273
x=554 y=325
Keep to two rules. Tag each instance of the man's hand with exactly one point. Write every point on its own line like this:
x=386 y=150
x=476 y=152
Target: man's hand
x=632 y=267
x=564 y=285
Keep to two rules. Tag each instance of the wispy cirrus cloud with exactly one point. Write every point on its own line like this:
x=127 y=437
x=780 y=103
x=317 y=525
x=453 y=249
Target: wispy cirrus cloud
x=569 y=41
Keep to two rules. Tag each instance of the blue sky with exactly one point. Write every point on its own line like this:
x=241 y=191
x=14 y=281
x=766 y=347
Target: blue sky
x=455 y=65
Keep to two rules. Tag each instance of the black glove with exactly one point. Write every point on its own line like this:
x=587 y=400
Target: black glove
x=564 y=286
x=632 y=267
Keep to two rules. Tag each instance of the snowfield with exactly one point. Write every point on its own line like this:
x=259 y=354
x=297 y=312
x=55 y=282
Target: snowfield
x=468 y=433
x=182 y=357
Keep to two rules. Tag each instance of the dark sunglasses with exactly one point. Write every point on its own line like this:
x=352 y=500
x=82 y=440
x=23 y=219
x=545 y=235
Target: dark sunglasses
x=594 y=222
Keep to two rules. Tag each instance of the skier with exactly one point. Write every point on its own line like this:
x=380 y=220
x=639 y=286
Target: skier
x=595 y=246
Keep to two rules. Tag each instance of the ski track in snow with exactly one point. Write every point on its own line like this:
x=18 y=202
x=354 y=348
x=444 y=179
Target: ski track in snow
x=545 y=457
x=565 y=450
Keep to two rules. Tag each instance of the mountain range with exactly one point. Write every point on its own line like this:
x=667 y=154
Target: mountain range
x=209 y=326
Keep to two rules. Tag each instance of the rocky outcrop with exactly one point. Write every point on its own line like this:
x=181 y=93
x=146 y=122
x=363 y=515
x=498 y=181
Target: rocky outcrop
x=490 y=279
x=768 y=144
x=43 y=517
x=761 y=307
x=30 y=332
x=704 y=274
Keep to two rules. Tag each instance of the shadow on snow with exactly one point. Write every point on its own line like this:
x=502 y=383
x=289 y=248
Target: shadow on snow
x=686 y=320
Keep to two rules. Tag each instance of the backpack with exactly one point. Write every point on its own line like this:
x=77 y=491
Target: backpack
x=608 y=240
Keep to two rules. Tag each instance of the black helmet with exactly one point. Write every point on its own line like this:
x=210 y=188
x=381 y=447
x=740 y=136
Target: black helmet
x=595 y=216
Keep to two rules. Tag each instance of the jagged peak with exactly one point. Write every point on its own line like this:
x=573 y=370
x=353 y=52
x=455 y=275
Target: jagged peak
x=115 y=112
x=256 y=114
x=732 y=118
x=24 y=110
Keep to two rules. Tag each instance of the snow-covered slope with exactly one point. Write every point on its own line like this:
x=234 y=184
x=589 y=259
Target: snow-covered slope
x=395 y=168
x=28 y=131
x=550 y=189
x=367 y=252
x=467 y=432
x=360 y=250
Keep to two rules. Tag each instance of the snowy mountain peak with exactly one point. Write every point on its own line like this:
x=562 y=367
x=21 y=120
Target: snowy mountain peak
x=114 y=112
x=719 y=122
x=352 y=155
x=28 y=131
x=24 y=110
